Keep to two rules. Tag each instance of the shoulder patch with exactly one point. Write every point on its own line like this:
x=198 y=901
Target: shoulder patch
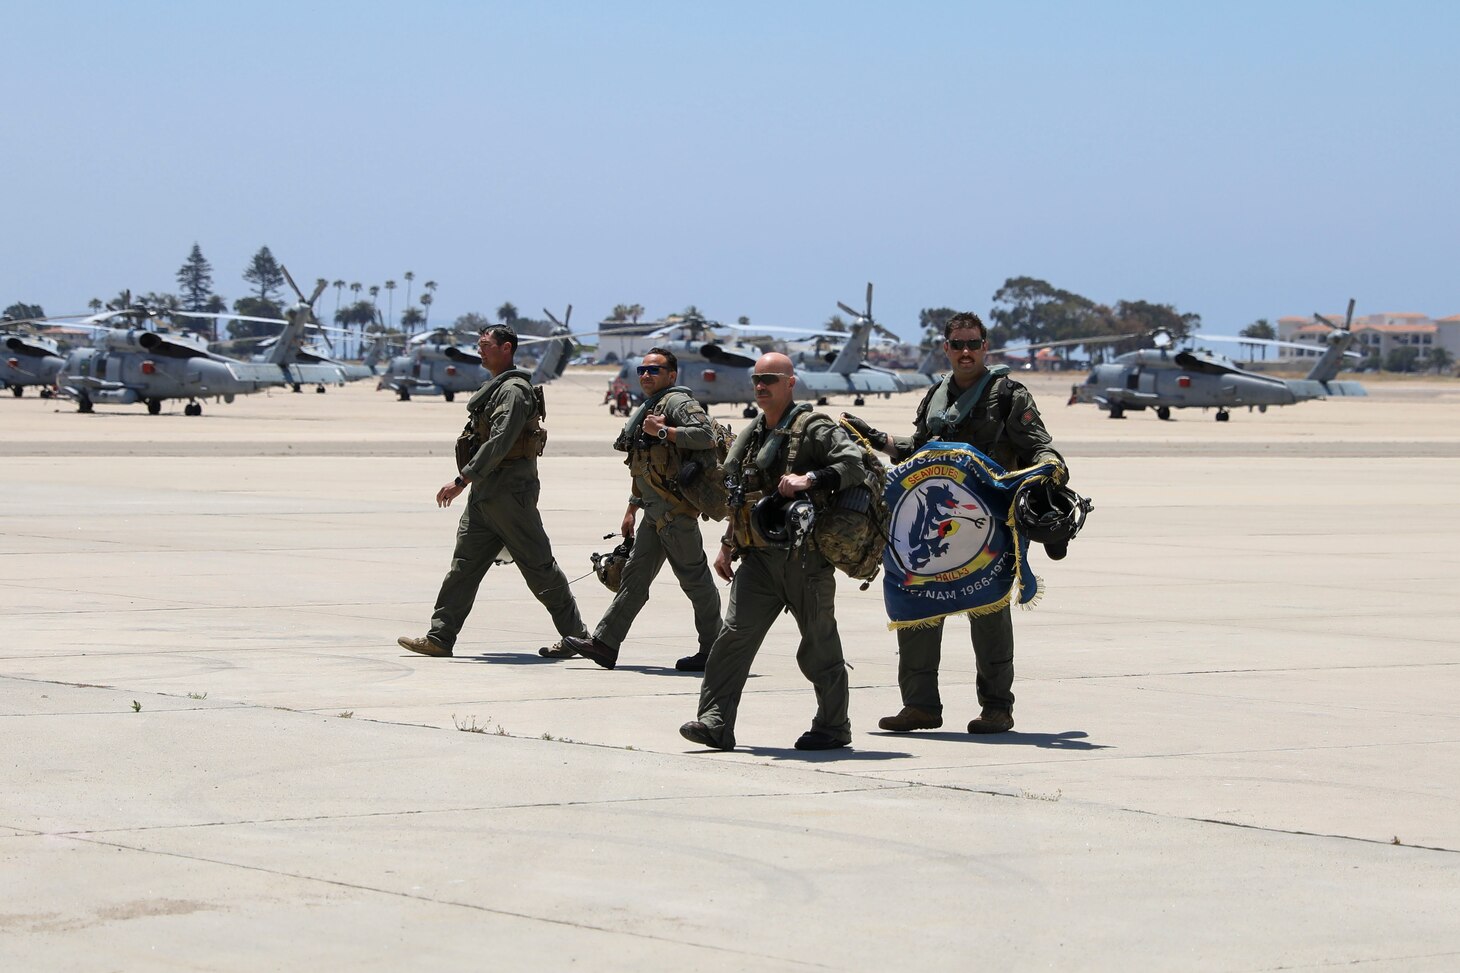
x=1027 y=417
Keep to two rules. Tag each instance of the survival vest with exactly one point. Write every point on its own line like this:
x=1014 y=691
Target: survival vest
x=531 y=442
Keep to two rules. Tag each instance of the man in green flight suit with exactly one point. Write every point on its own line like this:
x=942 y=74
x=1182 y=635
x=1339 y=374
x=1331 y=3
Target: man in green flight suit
x=502 y=508
x=659 y=437
x=997 y=416
x=788 y=451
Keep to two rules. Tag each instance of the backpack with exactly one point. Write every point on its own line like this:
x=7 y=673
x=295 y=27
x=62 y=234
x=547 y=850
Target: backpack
x=701 y=477
x=851 y=526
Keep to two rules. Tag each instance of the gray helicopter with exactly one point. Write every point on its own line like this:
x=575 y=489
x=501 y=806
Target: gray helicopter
x=436 y=365
x=717 y=374
x=27 y=359
x=1163 y=379
x=127 y=365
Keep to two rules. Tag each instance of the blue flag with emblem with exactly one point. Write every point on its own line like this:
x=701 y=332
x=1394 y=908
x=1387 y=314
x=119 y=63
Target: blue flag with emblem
x=953 y=546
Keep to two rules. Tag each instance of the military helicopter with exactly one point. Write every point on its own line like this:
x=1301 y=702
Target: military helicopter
x=717 y=375
x=29 y=360
x=126 y=365
x=303 y=362
x=1162 y=379
x=436 y=365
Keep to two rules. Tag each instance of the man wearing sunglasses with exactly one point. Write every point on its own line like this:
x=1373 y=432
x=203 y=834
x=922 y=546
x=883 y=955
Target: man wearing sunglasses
x=661 y=434
x=779 y=576
x=501 y=511
x=997 y=416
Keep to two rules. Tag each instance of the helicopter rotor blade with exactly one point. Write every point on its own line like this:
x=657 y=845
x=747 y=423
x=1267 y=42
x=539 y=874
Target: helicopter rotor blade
x=855 y=314
x=1323 y=320
x=869 y=300
x=1348 y=319
x=290 y=278
x=553 y=318
x=568 y=315
x=319 y=287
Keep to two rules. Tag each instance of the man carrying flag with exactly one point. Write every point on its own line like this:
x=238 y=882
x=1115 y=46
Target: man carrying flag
x=996 y=415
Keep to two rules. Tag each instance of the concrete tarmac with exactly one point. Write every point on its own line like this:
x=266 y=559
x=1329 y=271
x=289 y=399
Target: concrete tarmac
x=1236 y=743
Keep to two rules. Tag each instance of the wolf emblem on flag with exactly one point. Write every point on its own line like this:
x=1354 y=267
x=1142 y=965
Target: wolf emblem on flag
x=953 y=547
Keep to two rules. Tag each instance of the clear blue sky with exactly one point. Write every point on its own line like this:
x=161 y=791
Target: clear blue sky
x=1236 y=159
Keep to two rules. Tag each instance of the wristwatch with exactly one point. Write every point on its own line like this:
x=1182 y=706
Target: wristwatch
x=459 y=482
x=811 y=479
x=663 y=433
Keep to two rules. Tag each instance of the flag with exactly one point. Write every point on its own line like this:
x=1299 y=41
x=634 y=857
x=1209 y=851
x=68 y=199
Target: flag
x=953 y=546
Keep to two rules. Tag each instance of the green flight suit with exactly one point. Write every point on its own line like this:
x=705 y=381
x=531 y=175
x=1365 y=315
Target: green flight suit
x=669 y=527
x=501 y=512
x=770 y=580
x=1015 y=440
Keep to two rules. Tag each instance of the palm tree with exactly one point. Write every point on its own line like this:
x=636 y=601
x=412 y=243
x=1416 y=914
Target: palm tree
x=430 y=287
x=636 y=311
x=390 y=299
x=410 y=276
x=355 y=289
x=426 y=300
x=507 y=313
x=95 y=304
x=339 y=287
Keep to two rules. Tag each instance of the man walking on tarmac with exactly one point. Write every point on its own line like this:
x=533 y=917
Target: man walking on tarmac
x=788 y=451
x=997 y=416
x=659 y=438
x=505 y=438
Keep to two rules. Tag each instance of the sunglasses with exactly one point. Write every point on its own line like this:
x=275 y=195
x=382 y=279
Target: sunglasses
x=649 y=369
x=965 y=344
x=767 y=378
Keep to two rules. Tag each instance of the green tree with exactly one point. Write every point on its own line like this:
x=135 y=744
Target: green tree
x=743 y=321
x=426 y=301
x=471 y=322
x=263 y=272
x=507 y=313
x=1259 y=329
x=931 y=322
x=1140 y=319
x=1401 y=359
x=410 y=318
x=96 y=305
x=195 y=280
x=1033 y=310
x=20 y=311
x=254 y=307
x=339 y=287
x=409 y=276
x=620 y=313
x=636 y=311
x=390 y=300
x=836 y=324
x=1439 y=359
x=374 y=295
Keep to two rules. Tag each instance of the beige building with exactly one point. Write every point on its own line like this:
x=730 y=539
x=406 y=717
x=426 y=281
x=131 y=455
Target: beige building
x=1374 y=334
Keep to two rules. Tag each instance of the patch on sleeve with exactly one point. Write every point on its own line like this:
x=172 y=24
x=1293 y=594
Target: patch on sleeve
x=1027 y=417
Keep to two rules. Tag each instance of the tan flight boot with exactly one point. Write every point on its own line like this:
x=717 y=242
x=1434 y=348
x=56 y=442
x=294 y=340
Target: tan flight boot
x=911 y=718
x=992 y=721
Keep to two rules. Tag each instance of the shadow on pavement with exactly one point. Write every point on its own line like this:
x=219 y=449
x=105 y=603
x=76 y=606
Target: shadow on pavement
x=1068 y=740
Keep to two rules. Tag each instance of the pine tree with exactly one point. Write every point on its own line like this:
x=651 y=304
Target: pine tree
x=195 y=280
x=263 y=272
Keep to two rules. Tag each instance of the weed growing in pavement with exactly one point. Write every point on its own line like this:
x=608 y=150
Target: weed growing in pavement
x=347 y=714
x=1031 y=796
x=197 y=695
x=469 y=725
x=136 y=706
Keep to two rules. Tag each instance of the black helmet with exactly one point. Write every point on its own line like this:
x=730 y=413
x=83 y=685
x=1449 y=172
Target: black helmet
x=610 y=567
x=783 y=521
x=1051 y=515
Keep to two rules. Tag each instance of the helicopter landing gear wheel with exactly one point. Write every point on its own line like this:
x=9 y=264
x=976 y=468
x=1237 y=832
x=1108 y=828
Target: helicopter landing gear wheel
x=859 y=401
x=319 y=390
x=193 y=409
x=821 y=401
x=83 y=404
x=1116 y=412
x=45 y=393
x=403 y=396
x=154 y=406
x=17 y=390
x=748 y=412
x=1163 y=412
x=1223 y=415
x=448 y=395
